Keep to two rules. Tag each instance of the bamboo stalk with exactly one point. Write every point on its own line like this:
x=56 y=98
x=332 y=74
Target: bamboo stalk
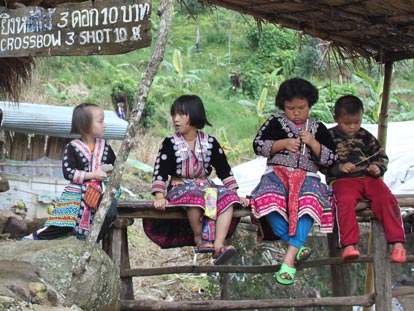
x=303 y=144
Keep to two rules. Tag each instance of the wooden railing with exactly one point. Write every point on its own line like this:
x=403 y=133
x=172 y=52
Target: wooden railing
x=117 y=247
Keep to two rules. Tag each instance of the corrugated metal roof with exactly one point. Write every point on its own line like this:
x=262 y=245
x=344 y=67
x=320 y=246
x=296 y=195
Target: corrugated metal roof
x=51 y=120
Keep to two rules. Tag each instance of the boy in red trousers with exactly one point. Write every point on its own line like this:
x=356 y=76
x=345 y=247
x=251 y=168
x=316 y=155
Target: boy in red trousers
x=356 y=175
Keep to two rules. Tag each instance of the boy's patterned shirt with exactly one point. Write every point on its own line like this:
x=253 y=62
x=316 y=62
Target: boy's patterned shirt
x=355 y=149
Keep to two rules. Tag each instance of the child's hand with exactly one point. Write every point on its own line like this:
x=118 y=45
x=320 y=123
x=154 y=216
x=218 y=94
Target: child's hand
x=374 y=170
x=244 y=201
x=307 y=138
x=347 y=168
x=100 y=175
x=160 y=204
x=107 y=167
x=292 y=144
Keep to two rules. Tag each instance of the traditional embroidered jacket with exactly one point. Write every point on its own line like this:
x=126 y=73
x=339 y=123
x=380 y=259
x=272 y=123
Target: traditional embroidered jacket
x=279 y=127
x=176 y=159
x=78 y=159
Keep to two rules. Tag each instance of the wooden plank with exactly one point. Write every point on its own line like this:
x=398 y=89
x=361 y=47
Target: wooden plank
x=145 y=209
x=56 y=146
x=320 y=262
x=86 y=28
x=19 y=147
x=220 y=305
x=37 y=147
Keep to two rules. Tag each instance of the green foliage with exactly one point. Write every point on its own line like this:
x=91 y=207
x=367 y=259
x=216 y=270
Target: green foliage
x=263 y=108
x=216 y=35
x=235 y=153
x=127 y=88
x=308 y=60
x=372 y=98
x=191 y=7
x=328 y=94
x=271 y=48
x=264 y=59
x=59 y=94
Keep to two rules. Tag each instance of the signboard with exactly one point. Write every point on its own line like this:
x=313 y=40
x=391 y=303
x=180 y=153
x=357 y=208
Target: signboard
x=86 y=28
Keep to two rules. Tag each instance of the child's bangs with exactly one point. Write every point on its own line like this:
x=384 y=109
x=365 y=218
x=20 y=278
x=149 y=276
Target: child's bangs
x=178 y=108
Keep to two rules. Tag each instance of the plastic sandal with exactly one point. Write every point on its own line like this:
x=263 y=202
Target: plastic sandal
x=399 y=254
x=350 y=254
x=299 y=257
x=205 y=247
x=226 y=252
x=286 y=270
x=27 y=238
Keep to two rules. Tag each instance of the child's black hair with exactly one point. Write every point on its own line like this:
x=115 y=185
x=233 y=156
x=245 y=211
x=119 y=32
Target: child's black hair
x=348 y=104
x=296 y=88
x=192 y=106
x=82 y=118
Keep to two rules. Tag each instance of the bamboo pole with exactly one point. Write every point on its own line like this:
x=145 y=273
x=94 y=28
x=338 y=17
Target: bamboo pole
x=165 y=13
x=382 y=137
x=383 y=117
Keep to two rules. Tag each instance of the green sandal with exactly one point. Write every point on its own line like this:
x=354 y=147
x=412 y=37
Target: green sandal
x=285 y=269
x=300 y=258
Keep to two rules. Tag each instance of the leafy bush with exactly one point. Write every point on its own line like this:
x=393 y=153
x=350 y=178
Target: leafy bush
x=272 y=48
x=126 y=89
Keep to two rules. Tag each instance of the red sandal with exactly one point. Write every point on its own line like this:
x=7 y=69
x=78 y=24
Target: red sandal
x=399 y=254
x=350 y=254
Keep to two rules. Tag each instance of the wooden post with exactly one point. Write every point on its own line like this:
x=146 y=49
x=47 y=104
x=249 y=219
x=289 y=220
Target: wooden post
x=116 y=246
x=340 y=274
x=383 y=117
x=225 y=286
x=382 y=138
x=382 y=268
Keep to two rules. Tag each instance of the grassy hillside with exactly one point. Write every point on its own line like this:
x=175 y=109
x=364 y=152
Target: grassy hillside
x=229 y=43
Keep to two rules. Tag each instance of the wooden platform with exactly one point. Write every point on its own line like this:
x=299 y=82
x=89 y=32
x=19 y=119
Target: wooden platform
x=117 y=247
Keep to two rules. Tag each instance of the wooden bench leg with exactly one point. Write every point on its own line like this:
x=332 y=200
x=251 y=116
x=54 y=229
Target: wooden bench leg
x=117 y=248
x=382 y=268
x=341 y=275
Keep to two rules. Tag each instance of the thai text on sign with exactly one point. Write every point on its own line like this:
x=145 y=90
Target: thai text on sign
x=98 y=27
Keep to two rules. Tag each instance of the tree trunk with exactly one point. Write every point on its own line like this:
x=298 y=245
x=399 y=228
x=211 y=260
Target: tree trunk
x=165 y=13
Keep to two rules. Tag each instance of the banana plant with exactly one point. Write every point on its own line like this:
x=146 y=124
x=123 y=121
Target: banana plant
x=372 y=103
x=234 y=152
x=400 y=109
x=261 y=107
x=178 y=64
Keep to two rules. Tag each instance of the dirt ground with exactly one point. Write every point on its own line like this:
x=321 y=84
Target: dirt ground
x=173 y=287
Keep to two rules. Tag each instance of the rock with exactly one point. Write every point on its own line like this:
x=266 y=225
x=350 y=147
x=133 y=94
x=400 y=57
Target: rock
x=40 y=272
x=16 y=227
x=4 y=218
x=4 y=185
x=33 y=225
